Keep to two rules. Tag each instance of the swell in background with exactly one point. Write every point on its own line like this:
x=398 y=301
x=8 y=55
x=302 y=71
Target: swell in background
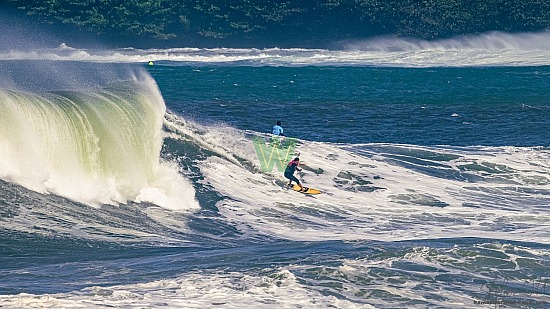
x=488 y=49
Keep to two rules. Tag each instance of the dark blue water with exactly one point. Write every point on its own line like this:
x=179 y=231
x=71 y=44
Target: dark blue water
x=423 y=106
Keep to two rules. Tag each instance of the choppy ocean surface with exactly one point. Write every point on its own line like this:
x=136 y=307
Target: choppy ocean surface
x=130 y=185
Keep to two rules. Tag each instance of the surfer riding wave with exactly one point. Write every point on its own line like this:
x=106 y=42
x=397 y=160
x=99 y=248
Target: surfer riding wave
x=289 y=172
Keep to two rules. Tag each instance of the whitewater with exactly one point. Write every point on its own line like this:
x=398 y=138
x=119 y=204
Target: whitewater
x=131 y=185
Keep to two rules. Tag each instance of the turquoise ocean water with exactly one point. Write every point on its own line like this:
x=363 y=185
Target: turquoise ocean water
x=129 y=185
x=422 y=106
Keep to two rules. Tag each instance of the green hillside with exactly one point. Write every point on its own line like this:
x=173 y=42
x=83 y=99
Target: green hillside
x=279 y=22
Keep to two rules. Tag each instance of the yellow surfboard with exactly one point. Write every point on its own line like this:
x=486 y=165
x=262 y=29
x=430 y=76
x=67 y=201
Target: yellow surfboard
x=307 y=190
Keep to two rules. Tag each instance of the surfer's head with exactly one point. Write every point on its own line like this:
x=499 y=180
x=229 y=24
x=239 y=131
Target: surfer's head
x=278 y=123
x=296 y=159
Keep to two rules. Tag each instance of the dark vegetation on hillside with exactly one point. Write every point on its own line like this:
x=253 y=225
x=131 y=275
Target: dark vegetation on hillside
x=279 y=22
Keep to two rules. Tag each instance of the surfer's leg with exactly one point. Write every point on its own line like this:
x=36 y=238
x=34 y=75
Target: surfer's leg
x=298 y=182
x=289 y=177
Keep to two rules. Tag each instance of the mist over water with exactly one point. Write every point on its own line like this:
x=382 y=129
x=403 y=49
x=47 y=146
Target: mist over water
x=491 y=41
x=42 y=75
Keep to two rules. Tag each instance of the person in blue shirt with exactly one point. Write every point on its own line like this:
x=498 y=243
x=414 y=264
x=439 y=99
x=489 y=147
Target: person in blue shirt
x=289 y=172
x=277 y=129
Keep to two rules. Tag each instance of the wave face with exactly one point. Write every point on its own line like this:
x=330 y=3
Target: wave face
x=96 y=147
x=488 y=49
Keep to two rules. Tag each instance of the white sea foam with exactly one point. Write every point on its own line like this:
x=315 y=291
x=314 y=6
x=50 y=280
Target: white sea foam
x=414 y=276
x=406 y=202
x=193 y=290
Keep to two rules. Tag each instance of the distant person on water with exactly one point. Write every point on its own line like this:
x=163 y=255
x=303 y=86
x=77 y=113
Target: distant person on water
x=289 y=172
x=277 y=129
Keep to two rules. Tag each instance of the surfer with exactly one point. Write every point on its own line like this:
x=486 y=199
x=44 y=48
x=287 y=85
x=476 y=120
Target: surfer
x=289 y=172
x=277 y=129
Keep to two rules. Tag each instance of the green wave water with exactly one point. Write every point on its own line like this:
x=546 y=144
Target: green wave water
x=99 y=146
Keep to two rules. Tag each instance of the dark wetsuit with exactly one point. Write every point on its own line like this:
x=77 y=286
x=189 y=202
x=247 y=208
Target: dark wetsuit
x=289 y=171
